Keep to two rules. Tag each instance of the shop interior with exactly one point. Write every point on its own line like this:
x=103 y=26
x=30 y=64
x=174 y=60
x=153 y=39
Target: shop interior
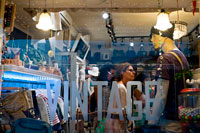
x=42 y=59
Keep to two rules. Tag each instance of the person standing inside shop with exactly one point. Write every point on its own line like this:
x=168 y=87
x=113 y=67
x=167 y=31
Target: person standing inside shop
x=168 y=64
x=92 y=76
x=106 y=73
x=123 y=73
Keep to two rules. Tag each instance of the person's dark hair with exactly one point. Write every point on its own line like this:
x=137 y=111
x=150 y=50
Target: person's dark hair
x=103 y=72
x=141 y=77
x=120 y=68
x=168 y=33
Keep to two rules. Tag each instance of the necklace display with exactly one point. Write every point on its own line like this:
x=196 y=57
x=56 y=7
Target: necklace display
x=160 y=71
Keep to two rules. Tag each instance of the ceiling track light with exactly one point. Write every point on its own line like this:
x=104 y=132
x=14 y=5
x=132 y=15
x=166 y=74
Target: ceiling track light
x=122 y=42
x=110 y=29
x=114 y=40
x=114 y=43
x=108 y=26
x=109 y=32
x=131 y=42
x=141 y=42
x=132 y=37
x=105 y=15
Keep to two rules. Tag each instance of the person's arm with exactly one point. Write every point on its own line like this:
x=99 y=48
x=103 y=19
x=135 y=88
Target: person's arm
x=122 y=94
x=158 y=105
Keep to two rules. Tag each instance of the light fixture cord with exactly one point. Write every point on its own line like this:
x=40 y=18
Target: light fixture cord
x=158 y=4
x=45 y=4
x=53 y=4
x=29 y=4
x=111 y=6
x=27 y=39
x=51 y=34
x=177 y=13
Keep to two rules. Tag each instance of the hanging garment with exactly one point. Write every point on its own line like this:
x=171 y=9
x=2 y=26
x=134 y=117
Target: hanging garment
x=43 y=109
x=61 y=104
x=56 y=120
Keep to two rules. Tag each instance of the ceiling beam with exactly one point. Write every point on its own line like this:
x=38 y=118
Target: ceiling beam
x=117 y=10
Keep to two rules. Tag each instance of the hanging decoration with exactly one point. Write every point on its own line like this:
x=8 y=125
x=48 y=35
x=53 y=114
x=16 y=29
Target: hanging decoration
x=50 y=53
x=194 y=3
x=180 y=27
x=180 y=30
x=159 y=69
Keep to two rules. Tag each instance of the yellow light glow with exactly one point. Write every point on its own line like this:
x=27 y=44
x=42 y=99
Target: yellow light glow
x=44 y=22
x=163 y=22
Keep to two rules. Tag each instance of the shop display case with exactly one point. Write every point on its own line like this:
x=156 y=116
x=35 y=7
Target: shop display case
x=25 y=91
x=16 y=76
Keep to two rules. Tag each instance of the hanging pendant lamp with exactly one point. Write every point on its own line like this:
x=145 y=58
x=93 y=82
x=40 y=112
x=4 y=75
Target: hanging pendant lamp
x=163 y=22
x=180 y=30
x=44 y=21
x=180 y=27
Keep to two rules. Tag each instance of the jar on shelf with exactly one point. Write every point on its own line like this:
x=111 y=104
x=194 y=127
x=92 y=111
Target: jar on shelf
x=189 y=105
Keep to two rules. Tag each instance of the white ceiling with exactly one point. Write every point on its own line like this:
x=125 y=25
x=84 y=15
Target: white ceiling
x=130 y=17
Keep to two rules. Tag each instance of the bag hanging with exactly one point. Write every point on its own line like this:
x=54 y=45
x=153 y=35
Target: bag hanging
x=142 y=52
x=118 y=53
x=130 y=52
x=153 y=52
x=29 y=125
x=14 y=103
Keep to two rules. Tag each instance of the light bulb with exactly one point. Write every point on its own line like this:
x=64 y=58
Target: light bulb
x=44 y=21
x=163 y=22
x=132 y=44
x=105 y=15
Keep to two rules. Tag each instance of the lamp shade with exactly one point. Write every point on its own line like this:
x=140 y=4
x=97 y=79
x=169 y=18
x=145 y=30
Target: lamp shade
x=163 y=22
x=44 y=21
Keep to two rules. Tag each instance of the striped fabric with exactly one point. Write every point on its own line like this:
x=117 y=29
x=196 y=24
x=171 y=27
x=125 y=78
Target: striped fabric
x=56 y=120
